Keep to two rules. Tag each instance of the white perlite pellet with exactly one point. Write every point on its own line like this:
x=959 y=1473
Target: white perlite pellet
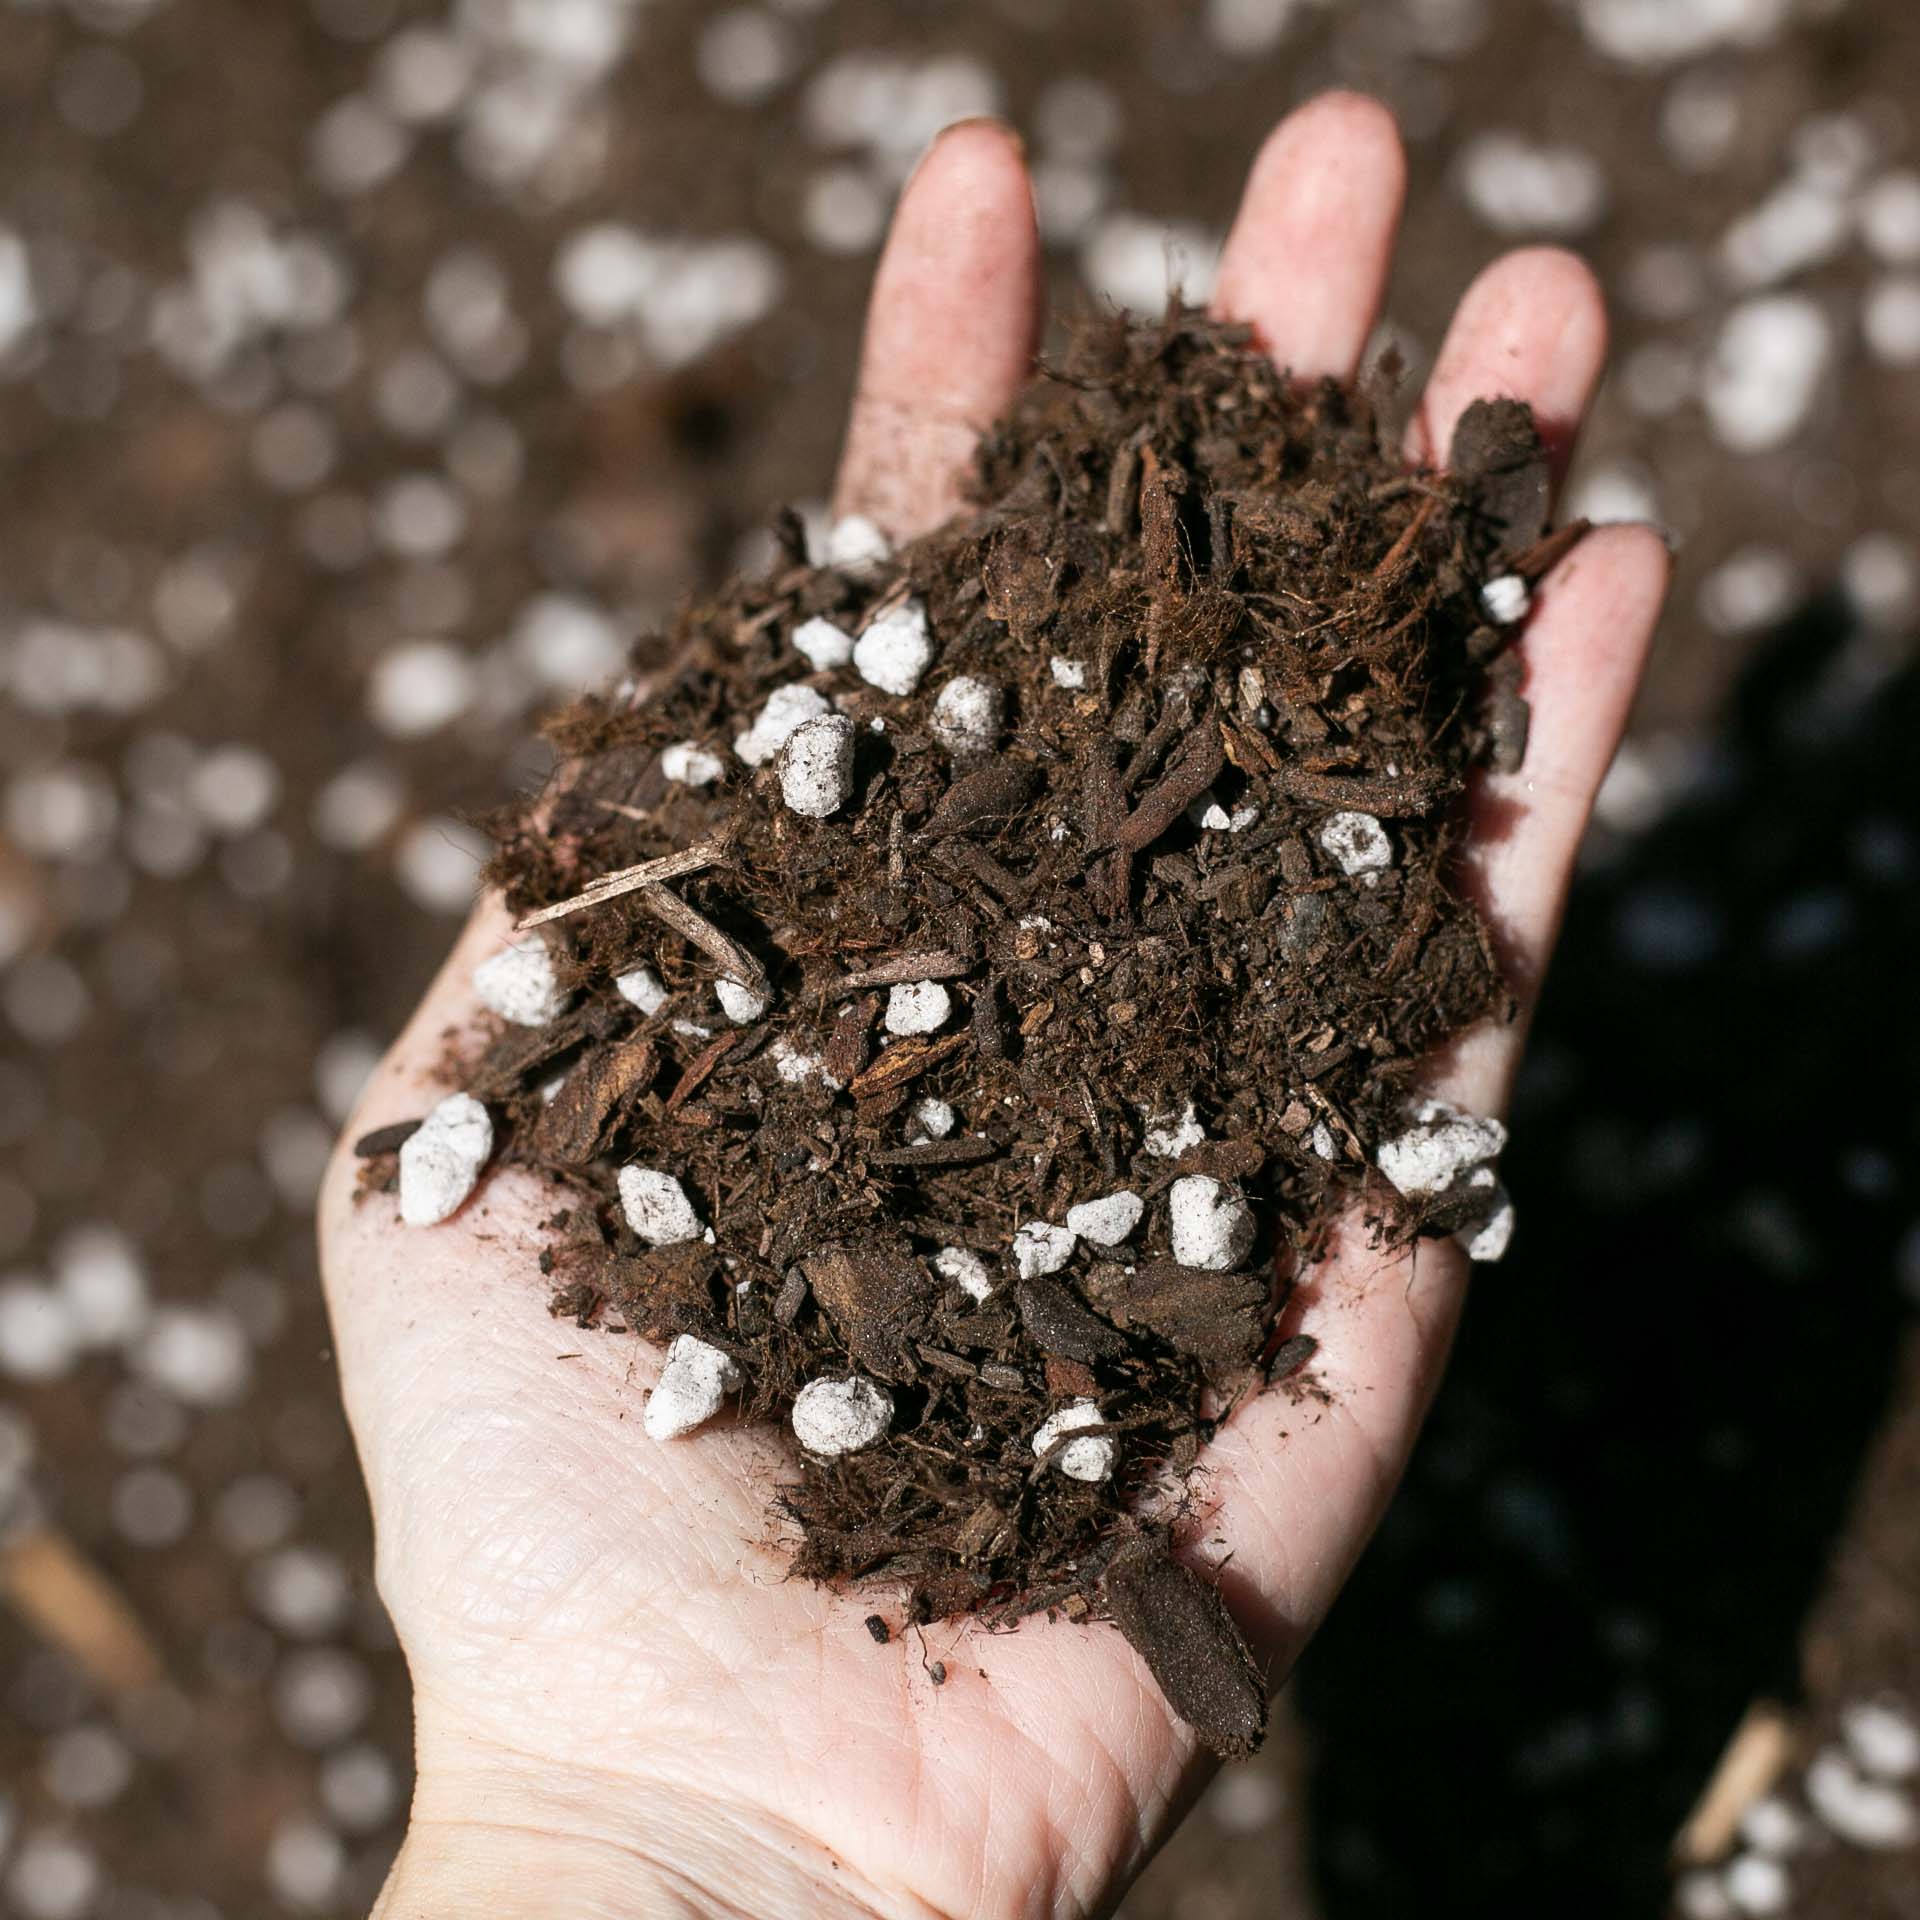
x=1870 y=1813
x=1040 y=1248
x=742 y=1004
x=932 y=1120
x=693 y=1387
x=794 y=1064
x=787 y=710
x=440 y=1160
x=1505 y=599
x=816 y=766
x=856 y=542
x=519 y=985
x=1764 y=372
x=1167 y=1137
x=1487 y=1239
x=1357 y=842
x=1212 y=1226
x=965 y=1269
x=1770 y=1825
x=918 y=1006
x=841 y=1416
x=1441 y=1146
x=1756 y=1885
x=896 y=650
x=642 y=989
x=1090 y=1458
x=967 y=715
x=1108 y=1221
x=1884 y=1739
x=1214 y=818
x=1070 y=674
x=657 y=1207
x=691 y=764
x=823 y=644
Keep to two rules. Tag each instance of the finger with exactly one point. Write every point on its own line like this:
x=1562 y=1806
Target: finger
x=1532 y=327
x=1582 y=654
x=1306 y=263
x=951 y=329
x=1301 y=1482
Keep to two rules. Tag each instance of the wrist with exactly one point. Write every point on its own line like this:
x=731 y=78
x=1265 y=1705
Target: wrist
x=590 y=1847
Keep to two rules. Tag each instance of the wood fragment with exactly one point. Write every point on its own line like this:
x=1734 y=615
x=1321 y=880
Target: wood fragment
x=905 y=1060
x=72 y=1604
x=903 y=968
x=648 y=873
x=1754 y=1759
x=699 y=1069
x=1179 y=1625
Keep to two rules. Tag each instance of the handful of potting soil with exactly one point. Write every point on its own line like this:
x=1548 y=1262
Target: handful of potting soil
x=966 y=987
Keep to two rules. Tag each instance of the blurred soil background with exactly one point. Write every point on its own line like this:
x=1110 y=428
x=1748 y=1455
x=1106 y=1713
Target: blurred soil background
x=372 y=372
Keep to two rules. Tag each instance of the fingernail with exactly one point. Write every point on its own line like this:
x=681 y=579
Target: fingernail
x=993 y=120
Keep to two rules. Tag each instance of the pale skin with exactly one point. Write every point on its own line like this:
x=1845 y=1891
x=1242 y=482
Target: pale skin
x=623 y=1707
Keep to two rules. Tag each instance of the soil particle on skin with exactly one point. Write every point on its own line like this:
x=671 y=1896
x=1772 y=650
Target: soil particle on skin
x=1088 y=956
x=1180 y=1626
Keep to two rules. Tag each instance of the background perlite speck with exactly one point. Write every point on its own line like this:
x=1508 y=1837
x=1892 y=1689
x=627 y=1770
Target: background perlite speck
x=372 y=372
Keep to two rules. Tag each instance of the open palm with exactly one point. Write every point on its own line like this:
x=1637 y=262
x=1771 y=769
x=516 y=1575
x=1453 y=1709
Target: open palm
x=623 y=1704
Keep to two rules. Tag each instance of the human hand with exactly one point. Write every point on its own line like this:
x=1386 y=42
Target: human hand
x=622 y=1703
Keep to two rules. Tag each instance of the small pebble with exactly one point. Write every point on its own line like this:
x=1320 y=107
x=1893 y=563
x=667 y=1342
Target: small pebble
x=691 y=764
x=816 y=766
x=1505 y=599
x=932 y=1119
x=1357 y=842
x=1092 y=1458
x=440 y=1160
x=1213 y=1228
x=693 y=1387
x=741 y=1003
x=823 y=644
x=518 y=984
x=965 y=1269
x=918 y=1006
x=787 y=710
x=856 y=542
x=1070 y=674
x=968 y=714
x=896 y=650
x=642 y=988
x=841 y=1416
x=1039 y=1249
x=1443 y=1144
x=1106 y=1222
x=657 y=1207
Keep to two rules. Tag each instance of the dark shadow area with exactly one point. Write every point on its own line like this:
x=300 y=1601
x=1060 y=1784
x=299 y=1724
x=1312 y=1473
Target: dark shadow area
x=1615 y=1525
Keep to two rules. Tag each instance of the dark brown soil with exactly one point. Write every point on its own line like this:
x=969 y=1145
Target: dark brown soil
x=1273 y=618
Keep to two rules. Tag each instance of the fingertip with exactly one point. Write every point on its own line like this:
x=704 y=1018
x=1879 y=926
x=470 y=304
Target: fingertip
x=1532 y=326
x=951 y=328
x=1619 y=574
x=1306 y=262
